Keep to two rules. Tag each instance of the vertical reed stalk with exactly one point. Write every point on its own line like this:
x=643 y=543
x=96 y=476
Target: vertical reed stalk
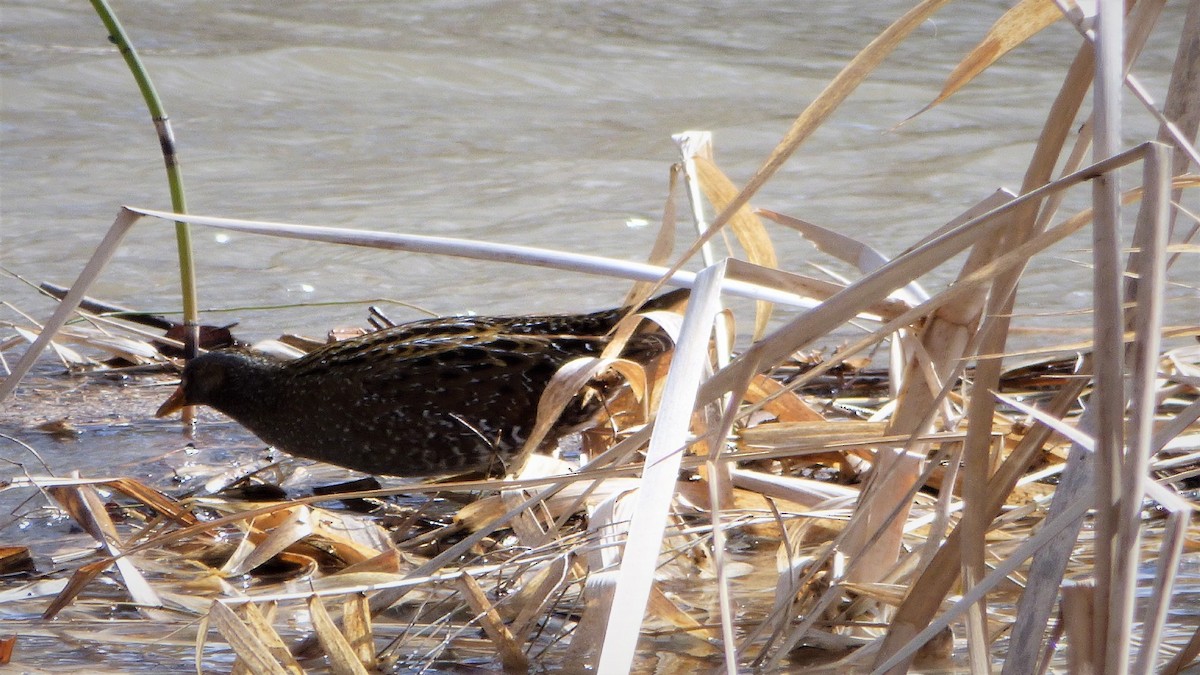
x=1109 y=395
x=166 y=139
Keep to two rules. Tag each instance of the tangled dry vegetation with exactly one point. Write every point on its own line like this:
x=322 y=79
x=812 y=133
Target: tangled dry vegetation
x=761 y=507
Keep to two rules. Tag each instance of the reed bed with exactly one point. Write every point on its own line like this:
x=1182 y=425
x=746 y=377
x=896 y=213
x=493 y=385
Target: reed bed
x=748 y=503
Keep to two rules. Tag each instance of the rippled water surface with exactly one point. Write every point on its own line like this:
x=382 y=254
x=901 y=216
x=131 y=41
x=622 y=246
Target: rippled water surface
x=540 y=123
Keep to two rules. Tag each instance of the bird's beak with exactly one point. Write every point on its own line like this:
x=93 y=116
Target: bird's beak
x=178 y=401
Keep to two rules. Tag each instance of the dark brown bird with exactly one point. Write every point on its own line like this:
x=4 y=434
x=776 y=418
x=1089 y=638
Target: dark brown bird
x=448 y=395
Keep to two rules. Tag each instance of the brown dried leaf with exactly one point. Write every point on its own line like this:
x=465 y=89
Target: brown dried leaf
x=79 y=581
x=135 y=489
x=260 y=624
x=844 y=84
x=532 y=600
x=665 y=609
x=1026 y=19
x=747 y=227
x=342 y=658
x=59 y=428
x=86 y=507
x=510 y=652
x=786 y=406
x=664 y=243
x=284 y=534
x=15 y=559
x=246 y=643
x=783 y=434
x=352 y=537
x=356 y=619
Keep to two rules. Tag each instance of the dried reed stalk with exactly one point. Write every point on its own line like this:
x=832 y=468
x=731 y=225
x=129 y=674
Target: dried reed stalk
x=576 y=566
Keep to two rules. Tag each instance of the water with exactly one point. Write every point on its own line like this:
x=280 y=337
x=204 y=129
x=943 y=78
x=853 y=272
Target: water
x=542 y=124
x=545 y=124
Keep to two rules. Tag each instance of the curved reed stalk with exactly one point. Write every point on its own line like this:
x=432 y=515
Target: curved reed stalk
x=166 y=139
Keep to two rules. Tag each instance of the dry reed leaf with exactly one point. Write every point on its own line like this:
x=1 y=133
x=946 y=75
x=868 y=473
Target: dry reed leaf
x=566 y=384
x=251 y=646
x=1021 y=22
x=633 y=375
x=136 y=489
x=259 y=625
x=534 y=525
x=352 y=537
x=666 y=610
x=348 y=582
x=533 y=599
x=80 y=579
x=785 y=405
x=785 y=495
x=86 y=508
x=201 y=640
x=510 y=652
x=286 y=527
x=342 y=658
x=664 y=243
x=480 y=512
x=15 y=559
x=746 y=226
x=356 y=622
x=876 y=530
x=847 y=249
x=137 y=352
x=846 y=81
x=809 y=288
x=580 y=491
x=785 y=434
x=608 y=520
x=891 y=594
x=68 y=356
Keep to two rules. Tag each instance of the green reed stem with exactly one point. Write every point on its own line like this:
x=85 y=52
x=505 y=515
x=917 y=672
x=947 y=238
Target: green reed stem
x=166 y=139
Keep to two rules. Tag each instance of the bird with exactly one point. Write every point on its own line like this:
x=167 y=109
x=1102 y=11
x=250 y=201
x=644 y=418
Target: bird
x=447 y=395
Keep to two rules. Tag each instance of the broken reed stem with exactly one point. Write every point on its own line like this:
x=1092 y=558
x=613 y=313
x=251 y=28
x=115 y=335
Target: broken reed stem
x=837 y=91
x=166 y=140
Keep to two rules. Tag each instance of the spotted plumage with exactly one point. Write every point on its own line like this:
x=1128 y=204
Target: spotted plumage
x=437 y=396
